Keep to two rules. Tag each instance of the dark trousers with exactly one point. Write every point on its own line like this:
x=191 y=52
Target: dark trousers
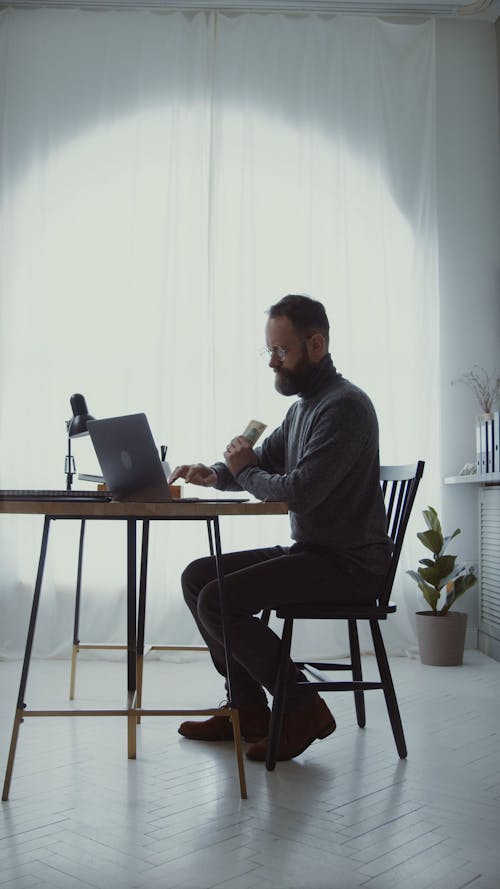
x=255 y=580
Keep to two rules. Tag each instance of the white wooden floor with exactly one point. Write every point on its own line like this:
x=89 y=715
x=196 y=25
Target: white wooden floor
x=347 y=813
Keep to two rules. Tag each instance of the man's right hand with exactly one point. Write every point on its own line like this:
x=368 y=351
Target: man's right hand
x=194 y=474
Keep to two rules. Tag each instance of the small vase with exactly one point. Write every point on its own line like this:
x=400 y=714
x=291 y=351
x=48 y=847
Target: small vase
x=441 y=637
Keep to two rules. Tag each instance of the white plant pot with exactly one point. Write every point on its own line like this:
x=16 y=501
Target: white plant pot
x=441 y=637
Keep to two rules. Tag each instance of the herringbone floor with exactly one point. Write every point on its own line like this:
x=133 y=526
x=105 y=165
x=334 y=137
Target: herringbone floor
x=347 y=813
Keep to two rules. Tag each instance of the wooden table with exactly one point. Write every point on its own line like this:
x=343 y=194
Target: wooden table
x=131 y=514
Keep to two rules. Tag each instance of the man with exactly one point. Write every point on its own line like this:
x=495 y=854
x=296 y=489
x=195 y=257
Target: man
x=324 y=462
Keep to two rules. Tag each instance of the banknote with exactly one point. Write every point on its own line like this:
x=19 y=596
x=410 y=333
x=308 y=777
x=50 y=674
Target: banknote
x=253 y=431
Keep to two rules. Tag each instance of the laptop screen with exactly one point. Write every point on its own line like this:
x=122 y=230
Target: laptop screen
x=128 y=458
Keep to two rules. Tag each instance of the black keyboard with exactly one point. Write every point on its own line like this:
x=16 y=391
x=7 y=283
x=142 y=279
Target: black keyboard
x=19 y=494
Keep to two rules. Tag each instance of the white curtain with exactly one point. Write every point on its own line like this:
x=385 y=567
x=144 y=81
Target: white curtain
x=164 y=179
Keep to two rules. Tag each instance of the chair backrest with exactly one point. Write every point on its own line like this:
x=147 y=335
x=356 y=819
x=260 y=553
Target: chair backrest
x=399 y=486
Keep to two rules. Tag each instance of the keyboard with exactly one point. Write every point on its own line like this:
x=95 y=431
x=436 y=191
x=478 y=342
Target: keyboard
x=20 y=494
x=103 y=496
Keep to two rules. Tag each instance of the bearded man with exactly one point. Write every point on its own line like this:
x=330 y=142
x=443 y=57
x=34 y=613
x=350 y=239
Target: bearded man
x=324 y=462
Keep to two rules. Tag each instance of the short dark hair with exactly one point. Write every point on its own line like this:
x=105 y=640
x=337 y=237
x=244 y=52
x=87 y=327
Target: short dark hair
x=307 y=315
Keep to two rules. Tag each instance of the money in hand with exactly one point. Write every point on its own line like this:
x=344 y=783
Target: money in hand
x=253 y=431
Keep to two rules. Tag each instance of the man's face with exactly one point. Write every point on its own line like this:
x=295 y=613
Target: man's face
x=295 y=368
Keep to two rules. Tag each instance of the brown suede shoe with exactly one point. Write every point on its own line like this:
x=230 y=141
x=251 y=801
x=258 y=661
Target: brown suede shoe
x=300 y=728
x=254 y=724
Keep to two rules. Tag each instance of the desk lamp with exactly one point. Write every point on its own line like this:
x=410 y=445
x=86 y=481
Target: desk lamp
x=76 y=427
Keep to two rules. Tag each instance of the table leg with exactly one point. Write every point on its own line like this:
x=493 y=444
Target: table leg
x=141 y=618
x=210 y=538
x=131 y=634
x=76 y=639
x=18 y=718
x=226 y=636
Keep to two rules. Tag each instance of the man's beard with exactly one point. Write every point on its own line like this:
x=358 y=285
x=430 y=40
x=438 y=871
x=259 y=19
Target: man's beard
x=291 y=382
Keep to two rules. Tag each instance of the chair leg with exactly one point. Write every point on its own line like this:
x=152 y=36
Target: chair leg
x=357 y=675
x=390 y=694
x=72 y=678
x=235 y=720
x=279 y=697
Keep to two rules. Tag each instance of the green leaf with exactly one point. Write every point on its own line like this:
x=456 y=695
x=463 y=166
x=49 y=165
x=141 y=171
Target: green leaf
x=457 y=572
x=431 y=595
x=460 y=586
x=464 y=583
x=432 y=540
x=436 y=573
x=431 y=519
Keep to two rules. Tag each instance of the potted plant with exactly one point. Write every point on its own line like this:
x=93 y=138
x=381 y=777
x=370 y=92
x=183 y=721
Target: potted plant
x=441 y=633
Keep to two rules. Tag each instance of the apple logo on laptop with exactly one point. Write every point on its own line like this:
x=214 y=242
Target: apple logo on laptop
x=126 y=460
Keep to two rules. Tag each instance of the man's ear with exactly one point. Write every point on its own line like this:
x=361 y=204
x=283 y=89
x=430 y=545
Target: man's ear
x=317 y=346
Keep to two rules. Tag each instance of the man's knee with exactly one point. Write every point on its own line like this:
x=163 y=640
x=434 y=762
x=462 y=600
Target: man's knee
x=208 y=605
x=237 y=602
x=194 y=577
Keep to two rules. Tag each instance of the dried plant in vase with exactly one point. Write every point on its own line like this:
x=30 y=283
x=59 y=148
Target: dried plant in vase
x=486 y=388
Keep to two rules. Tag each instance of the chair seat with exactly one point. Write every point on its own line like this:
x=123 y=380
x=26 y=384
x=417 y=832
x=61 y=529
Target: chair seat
x=320 y=611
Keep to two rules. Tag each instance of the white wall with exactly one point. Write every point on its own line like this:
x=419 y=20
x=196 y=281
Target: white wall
x=468 y=192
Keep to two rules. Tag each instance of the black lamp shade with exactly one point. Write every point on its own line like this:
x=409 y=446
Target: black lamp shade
x=78 y=424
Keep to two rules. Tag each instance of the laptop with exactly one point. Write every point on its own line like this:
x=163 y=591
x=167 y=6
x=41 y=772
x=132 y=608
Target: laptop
x=130 y=462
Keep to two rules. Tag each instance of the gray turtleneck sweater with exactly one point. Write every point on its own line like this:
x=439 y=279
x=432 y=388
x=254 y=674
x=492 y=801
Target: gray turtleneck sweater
x=324 y=462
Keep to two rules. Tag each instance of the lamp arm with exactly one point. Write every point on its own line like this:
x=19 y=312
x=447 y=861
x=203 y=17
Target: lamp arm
x=69 y=464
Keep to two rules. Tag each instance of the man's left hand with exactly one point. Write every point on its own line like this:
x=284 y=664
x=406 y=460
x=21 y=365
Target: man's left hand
x=239 y=454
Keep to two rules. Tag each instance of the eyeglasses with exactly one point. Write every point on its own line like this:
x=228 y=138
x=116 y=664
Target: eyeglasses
x=274 y=352
x=278 y=352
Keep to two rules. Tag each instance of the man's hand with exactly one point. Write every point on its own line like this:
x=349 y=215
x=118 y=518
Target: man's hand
x=239 y=454
x=194 y=474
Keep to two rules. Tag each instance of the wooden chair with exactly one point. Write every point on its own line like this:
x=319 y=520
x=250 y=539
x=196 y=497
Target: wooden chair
x=399 y=486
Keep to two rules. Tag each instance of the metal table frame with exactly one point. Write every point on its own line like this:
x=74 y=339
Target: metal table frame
x=131 y=514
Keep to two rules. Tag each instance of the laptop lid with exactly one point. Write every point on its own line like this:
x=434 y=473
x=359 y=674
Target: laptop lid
x=128 y=458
